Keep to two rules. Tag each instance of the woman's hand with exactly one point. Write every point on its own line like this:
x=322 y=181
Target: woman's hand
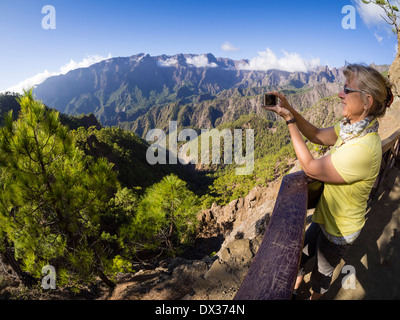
x=282 y=108
x=321 y=169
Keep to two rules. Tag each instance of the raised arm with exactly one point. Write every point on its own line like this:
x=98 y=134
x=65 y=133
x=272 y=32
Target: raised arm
x=321 y=169
x=325 y=136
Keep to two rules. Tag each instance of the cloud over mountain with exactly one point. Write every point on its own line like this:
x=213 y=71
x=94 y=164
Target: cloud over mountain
x=291 y=62
x=42 y=76
x=200 y=61
x=170 y=62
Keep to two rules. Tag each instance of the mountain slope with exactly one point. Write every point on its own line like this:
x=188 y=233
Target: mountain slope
x=120 y=90
x=125 y=150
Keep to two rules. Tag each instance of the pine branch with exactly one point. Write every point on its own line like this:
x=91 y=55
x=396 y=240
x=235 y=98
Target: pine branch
x=390 y=11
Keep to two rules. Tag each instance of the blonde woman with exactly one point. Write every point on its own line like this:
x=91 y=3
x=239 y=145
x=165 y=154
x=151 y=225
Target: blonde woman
x=348 y=171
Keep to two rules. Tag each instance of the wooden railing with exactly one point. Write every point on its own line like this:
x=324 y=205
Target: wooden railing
x=273 y=272
x=390 y=153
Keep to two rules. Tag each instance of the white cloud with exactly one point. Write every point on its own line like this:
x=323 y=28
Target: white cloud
x=371 y=13
x=30 y=82
x=292 y=62
x=40 y=77
x=167 y=63
x=200 y=62
x=227 y=46
x=87 y=62
x=378 y=37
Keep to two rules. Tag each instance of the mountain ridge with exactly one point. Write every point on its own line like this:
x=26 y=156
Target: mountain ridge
x=141 y=92
x=121 y=84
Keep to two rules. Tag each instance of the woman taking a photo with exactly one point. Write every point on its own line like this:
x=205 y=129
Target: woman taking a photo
x=349 y=170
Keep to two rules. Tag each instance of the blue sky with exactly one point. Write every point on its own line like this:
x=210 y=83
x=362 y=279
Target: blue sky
x=284 y=32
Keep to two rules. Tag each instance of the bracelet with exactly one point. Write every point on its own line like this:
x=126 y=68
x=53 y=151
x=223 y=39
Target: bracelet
x=293 y=120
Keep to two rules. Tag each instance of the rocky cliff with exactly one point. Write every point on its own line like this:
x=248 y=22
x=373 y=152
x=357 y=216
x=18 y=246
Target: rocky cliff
x=241 y=225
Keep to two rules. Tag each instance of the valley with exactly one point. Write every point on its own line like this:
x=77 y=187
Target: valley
x=109 y=109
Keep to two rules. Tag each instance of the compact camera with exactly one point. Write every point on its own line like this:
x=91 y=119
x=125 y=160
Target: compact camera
x=269 y=100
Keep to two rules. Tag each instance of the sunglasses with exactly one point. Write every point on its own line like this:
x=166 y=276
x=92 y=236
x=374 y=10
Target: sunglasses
x=348 y=90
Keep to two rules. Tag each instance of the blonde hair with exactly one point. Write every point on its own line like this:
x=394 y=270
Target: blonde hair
x=374 y=83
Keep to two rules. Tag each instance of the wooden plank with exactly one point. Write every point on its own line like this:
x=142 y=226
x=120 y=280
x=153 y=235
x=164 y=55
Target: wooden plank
x=389 y=142
x=274 y=270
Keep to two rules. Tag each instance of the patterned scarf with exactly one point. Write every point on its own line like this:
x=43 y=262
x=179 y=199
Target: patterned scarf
x=358 y=129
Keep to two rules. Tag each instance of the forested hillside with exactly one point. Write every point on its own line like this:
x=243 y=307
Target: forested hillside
x=86 y=214
x=89 y=192
x=82 y=197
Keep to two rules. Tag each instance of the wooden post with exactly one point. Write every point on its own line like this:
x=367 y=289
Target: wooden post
x=274 y=270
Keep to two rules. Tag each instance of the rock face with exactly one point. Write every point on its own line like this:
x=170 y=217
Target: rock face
x=394 y=75
x=241 y=223
x=242 y=218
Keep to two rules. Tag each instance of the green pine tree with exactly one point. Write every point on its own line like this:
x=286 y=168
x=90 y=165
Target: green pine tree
x=51 y=199
x=166 y=217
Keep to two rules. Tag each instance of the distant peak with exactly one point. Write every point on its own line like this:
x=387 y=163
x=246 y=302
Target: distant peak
x=138 y=56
